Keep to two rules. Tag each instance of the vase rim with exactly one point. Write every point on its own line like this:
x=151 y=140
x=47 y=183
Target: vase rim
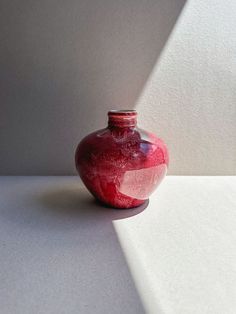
x=122 y=112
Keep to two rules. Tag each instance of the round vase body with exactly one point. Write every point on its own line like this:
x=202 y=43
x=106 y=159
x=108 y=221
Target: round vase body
x=121 y=165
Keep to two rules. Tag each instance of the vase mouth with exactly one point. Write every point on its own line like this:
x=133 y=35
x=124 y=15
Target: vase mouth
x=122 y=118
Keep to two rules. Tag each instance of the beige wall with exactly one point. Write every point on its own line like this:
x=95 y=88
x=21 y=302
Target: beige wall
x=190 y=97
x=65 y=64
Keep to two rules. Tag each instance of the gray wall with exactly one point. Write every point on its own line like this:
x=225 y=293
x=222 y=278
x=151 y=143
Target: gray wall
x=64 y=64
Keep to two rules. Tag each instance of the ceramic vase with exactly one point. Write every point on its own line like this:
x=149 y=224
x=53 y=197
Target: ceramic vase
x=121 y=165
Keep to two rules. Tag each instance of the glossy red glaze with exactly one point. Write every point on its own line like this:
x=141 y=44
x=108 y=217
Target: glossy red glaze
x=121 y=165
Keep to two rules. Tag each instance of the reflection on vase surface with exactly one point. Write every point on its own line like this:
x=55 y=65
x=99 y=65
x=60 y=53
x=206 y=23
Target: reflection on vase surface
x=122 y=165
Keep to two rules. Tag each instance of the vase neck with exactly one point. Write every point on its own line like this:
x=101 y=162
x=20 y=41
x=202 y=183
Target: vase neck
x=122 y=118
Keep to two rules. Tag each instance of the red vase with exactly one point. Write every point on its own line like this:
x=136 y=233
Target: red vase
x=121 y=165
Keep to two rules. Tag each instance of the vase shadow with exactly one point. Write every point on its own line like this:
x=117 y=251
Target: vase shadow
x=78 y=203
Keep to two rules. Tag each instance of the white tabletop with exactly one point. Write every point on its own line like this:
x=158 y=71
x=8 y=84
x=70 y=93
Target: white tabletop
x=61 y=252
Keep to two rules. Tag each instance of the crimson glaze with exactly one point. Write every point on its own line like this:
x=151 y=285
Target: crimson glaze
x=121 y=165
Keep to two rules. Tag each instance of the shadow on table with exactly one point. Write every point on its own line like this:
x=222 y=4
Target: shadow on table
x=78 y=204
x=104 y=283
x=67 y=243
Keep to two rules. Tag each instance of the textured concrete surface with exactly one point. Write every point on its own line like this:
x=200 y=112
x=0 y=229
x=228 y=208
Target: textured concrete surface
x=63 y=253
